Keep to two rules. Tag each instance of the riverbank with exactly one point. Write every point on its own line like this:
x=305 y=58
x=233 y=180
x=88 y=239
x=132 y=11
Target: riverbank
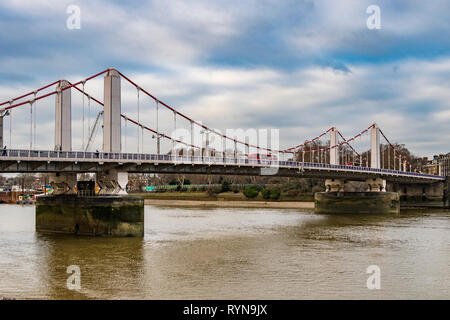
x=225 y=200
x=224 y=196
x=231 y=204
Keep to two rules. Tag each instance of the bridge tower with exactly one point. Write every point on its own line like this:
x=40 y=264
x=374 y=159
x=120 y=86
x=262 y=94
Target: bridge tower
x=63 y=120
x=375 y=147
x=63 y=182
x=334 y=185
x=112 y=181
x=334 y=152
x=112 y=111
x=378 y=184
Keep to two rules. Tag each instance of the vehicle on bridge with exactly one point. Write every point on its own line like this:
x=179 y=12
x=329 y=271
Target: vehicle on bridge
x=350 y=163
x=260 y=156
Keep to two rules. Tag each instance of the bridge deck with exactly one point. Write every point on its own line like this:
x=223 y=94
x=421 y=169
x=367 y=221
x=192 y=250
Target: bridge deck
x=35 y=161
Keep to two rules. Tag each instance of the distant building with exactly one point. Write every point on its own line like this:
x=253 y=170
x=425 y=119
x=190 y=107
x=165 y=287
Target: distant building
x=444 y=165
x=432 y=166
x=11 y=181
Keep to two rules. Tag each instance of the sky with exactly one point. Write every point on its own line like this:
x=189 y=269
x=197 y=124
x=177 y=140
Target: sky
x=297 y=66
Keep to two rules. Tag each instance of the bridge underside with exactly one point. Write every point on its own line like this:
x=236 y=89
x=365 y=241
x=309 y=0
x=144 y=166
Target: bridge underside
x=31 y=166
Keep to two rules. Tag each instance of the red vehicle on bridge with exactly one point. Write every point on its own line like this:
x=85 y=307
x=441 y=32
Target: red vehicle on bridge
x=259 y=156
x=355 y=164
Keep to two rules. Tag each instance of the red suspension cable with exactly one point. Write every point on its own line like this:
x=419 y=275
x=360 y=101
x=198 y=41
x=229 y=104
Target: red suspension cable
x=395 y=150
x=29 y=93
x=53 y=92
x=348 y=144
x=136 y=122
x=308 y=142
x=156 y=132
x=199 y=124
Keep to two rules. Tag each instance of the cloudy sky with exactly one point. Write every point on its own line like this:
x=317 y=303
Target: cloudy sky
x=299 y=66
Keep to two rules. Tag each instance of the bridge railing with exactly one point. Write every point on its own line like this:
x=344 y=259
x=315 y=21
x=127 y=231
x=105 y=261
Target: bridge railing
x=78 y=155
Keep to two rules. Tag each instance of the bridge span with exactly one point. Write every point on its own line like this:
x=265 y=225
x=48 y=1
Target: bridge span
x=40 y=161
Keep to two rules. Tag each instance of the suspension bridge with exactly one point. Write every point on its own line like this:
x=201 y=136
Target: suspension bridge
x=146 y=139
x=368 y=155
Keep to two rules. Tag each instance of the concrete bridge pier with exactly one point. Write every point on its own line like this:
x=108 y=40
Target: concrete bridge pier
x=110 y=213
x=338 y=199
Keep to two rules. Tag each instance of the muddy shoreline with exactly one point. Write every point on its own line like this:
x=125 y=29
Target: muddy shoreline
x=231 y=204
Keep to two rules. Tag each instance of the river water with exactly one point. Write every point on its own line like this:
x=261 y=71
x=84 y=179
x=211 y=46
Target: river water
x=193 y=253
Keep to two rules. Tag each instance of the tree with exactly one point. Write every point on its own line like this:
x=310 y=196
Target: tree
x=265 y=193
x=251 y=192
x=225 y=186
x=271 y=193
x=275 y=194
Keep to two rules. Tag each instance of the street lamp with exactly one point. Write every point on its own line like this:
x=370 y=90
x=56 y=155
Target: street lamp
x=157 y=143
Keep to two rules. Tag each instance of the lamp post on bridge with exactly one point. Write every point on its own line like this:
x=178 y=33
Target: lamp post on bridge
x=206 y=151
x=157 y=137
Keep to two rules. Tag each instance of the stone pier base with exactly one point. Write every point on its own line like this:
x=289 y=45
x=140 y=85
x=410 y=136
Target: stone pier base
x=120 y=216
x=357 y=202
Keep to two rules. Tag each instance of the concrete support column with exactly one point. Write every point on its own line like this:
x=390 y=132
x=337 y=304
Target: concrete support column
x=112 y=182
x=334 y=152
x=207 y=153
x=112 y=111
x=63 y=183
x=375 y=147
x=63 y=120
x=334 y=185
x=122 y=179
x=376 y=185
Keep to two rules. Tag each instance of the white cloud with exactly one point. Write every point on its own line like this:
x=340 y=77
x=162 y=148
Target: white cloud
x=301 y=103
x=409 y=99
